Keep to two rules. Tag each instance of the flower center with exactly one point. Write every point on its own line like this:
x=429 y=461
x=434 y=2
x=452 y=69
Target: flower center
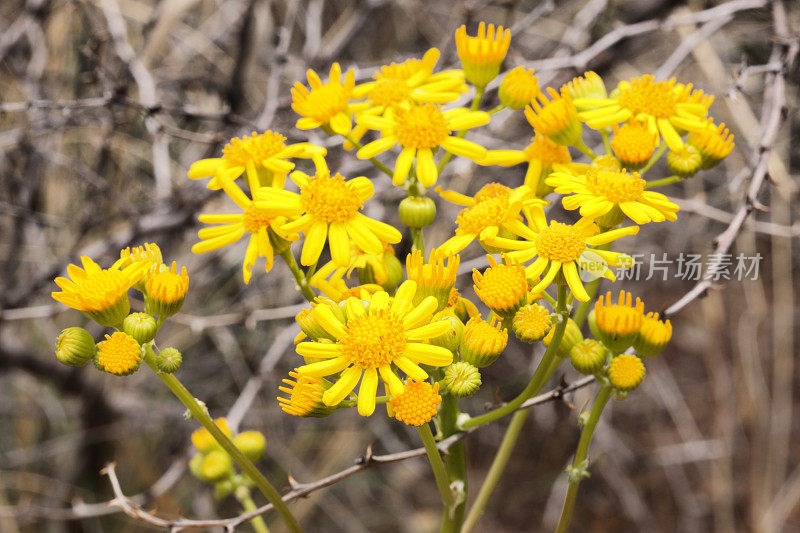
x=481 y=215
x=399 y=71
x=374 y=340
x=421 y=126
x=620 y=319
x=492 y=190
x=546 y=151
x=119 y=353
x=101 y=290
x=389 y=91
x=560 y=242
x=502 y=286
x=322 y=103
x=329 y=198
x=647 y=96
x=533 y=320
x=633 y=143
x=253 y=219
x=255 y=148
x=417 y=404
x=616 y=185
x=168 y=286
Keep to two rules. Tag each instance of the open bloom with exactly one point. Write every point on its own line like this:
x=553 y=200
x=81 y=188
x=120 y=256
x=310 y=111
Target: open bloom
x=665 y=106
x=494 y=209
x=377 y=336
x=326 y=104
x=100 y=293
x=600 y=190
x=328 y=210
x=563 y=248
x=419 y=130
x=253 y=222
x=263 y=156
x=417 y=404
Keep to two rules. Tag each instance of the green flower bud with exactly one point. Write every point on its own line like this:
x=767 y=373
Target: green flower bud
x=452 y=338
x=251 y=443
x=462 y=379
x=394 y=272
x=216 y=466
x=417 y=211
x=140 y=326
x=75 y=347
x=196 y=465
x=572 y=336
x=169 y=360
x=685 y=163
x=222 y=489
x=588 y=356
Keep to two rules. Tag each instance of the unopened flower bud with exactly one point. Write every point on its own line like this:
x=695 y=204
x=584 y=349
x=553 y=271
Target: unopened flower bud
x=518 y=88
x=140 y=326
x=685 y=163
x=75 y=347
x=625 y=372
x=653 y=336
x=216 y=466
x=169 y=360
x=462 y=379
x=531 y=323
x=452 y=339
x=572 y=336
x=417 y=211
x=588 y=356
x=483 y=342
x=204 y=441
x=251 y=443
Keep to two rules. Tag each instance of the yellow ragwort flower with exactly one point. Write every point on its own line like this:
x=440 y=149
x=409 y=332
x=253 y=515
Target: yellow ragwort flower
x=327 y=209
x=166 y=291
x=149 y=252
x=419 y=129
x=556 y=118
x=653 y=335
x=590 y=85
x=260 y=227
x=617 y=323
x=599 y=191
x=417 y=404
x=435 y=278
x=326 y=104
x=204 y=441
x=483 y=342
x=563 y=248
x=686 y=162
x=541 y=154
x=664 y=106
x=713 y=142
x=264 y=157
x=625 y=372
x=519 y=88
x=633 y=144
x=119 y=354
x=100 y=293
x=376 y=335
x=495 y=209
x=531 y=323
x=502 y=287
x=305 y=396
x=482 y=55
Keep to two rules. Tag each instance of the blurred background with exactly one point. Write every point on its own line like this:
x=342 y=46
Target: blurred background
x=104 y=104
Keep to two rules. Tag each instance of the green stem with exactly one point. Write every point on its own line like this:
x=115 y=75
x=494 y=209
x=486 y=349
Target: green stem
x=476 y=103
x=299 y=276
x=663 y=181
x=496 y=109
x=653 y=158
x=542 y=372
x=380 y=166
x=419 y=242
x=455 y=463
x=435 y=458
x=606 y=142
x=199 y=413
x=580 y=145
x=243 y=495
x=579 y=462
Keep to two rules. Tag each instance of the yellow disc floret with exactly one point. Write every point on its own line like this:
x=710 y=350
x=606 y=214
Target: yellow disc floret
x=560 y=242
x=502 y=287
x=645 y=95
x=557 y=118
x=616 y=186
x=254 y=219
x=421 y=126
x=374 y=340
x=330 y=198
x=531 y=323
x=633 y=144
x=417 y=404
x=625 y=372
x=389 y=91
x=119 y=354
x=255 y=148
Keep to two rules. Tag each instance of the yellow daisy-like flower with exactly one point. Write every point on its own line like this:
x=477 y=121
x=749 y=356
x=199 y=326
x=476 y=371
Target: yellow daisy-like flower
x=715 y=143
x=260 y=227
x=531 y=323
x=653 y=335
x=149 y=252
x=502 y=287
x=166 y=291
x=563 y=248
x=617 y=323
x=519 y=88
x=328 y=210
x=119 y=354
x=419 y=129
x=305 y=396
x=666 y=108
x=376 y=336
x=556 y=118
x=482 y=55
x=483 y=342
x=494 y=209
x=633 y=144
x=417 y=404
x=625 y=372
x=263 y=156
x=101 y=294
x=541 y=154
x=326 y=104
x=600 y=190
x=436 y=277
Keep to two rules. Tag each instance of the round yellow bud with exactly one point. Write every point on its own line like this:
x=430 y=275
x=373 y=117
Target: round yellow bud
x=417 y=404
x=216 y=466
x=119 y=354
x=685 y=163
x=531 y=323
x=483 y=342
x=588 y=356
x=251 y=443
x=625 y=372
x=518 y=88
x=204 y=441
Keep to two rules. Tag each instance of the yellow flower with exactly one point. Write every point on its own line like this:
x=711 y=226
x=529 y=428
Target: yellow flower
x=260 y=227
x=435 y=278
x=685 y=163
x=556 y=118
x=653 y=336
x=101 y=294
x=264 y=157
x=327 y=104
x=541 y=154
x=502 y=287
x=625 y=372
x=149 y=252
x=166 y=291
x=377 y=335
x=483 y=54
x=633 y=144
x=588 y=356
x=483 y=342
x=305 y=396
x=664 y=106
x=119 y=354
x=599 y=191
x=590 y=85
x=494 y=210
x=563 y=248
x=417 y=404
x=419 y=129
x=204 y=441
x=713 y=142
x=531 y=323
x=617 y=323
x=518 y=88
x=329 y=278
x=328 y=210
